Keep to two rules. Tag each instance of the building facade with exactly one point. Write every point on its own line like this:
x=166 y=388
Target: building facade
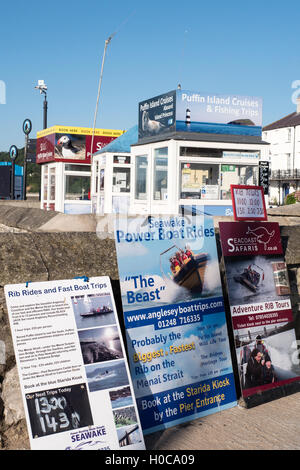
x=189 y=148
x=65 y=156
x=284 y=156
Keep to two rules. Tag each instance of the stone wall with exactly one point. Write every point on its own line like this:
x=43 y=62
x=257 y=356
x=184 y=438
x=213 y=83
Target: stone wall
x=41 y=257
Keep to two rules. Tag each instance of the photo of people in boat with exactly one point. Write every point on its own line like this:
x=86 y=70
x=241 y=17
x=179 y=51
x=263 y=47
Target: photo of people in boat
x=105 y=376
x=193 y=271
x=188 y=268
x=253 y=279
x=264 y=355
x=93 y=310
x=100 y=344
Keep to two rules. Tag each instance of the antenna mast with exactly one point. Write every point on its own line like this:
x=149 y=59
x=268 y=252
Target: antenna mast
x=107 y=41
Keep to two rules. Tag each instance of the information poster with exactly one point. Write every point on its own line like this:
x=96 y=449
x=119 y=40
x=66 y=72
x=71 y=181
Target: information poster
x=74 y=376
x=174 y=317
x=259 y=296
x=248 y=202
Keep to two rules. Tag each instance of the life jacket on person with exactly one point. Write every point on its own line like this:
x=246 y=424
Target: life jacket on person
x=178 y=257
x=176 y=265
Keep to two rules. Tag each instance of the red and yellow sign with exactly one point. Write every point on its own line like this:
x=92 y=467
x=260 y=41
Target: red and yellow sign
x=72 y=144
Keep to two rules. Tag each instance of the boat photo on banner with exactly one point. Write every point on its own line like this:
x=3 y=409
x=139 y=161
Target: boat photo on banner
x=261 y=310
x=174 y=317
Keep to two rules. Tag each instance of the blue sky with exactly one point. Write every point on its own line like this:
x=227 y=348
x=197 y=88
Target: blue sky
x=245 y=48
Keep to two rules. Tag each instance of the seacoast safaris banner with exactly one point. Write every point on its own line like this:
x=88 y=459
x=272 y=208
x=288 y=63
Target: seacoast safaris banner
x=260 y=304
x=174 y=317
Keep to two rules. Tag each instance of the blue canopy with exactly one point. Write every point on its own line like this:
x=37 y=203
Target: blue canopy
x=122 y=144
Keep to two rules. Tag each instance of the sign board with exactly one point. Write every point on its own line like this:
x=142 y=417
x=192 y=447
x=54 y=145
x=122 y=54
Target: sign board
x=157 y=115
x=174 y=317
x=27 y=126
x=210 y=191
x=13 y=152
x=248 y=202
x=74 y=377
x=193 y=111
x=240 y=155
x=226 y=168
x=71 y=144
x=260 y=305
x=263 y=176
x=31 y=151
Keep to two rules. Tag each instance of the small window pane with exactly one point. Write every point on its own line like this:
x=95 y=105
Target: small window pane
x=77 y=187
x=141 y=168
x=160 y=190
x=121 y=180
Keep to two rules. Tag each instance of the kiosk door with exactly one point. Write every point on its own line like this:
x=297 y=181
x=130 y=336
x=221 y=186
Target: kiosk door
x=49 y=185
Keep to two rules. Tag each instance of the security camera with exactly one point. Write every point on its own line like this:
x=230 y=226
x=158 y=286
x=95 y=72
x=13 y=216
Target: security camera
x=41 y=86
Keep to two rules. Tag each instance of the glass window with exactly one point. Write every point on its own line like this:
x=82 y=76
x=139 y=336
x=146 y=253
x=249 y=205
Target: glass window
x=160 y=186
x=45 y=183
x=77 y=187
x=237 y=174
x=199 y=181
x=69 y=167
x=199 y=152
x=121 y=180
x=96 y=167
x=52 y=184
x=102 y=176
x=141 y=169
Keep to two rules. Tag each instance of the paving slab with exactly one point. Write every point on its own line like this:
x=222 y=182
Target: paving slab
x=271 y=426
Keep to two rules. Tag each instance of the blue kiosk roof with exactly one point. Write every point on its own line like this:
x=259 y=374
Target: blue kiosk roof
x=122 y=144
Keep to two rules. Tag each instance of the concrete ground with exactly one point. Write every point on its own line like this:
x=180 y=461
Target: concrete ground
x=271 y=426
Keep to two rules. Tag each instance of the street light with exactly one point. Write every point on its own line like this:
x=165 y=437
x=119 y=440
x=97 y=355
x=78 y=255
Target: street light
x=43 y=90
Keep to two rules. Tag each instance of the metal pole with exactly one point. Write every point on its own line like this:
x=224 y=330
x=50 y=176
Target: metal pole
x=107 y=41
x=25 y=168
x=12 y=196
x=45 y=112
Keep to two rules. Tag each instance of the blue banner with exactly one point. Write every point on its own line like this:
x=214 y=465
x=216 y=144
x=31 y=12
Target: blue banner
x=174 y=316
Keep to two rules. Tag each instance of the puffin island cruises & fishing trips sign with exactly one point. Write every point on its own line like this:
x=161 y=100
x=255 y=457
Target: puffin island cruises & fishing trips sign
x=75 y=382
x=174 y=316
x=261 y=311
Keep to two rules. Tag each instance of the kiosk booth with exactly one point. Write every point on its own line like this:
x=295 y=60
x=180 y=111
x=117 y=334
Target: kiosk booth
x=189 y=148
x=111 y=175
x=65 y=156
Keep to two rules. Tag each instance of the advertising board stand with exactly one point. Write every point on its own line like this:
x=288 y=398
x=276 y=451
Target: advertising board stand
x=174 y=318
x=259 y=297
x=13 y=153
x=75 y=382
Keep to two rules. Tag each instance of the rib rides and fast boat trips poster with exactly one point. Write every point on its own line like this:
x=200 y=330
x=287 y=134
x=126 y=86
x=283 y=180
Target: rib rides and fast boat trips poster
x=261 y=310
x=74 y=376
x=174 y=317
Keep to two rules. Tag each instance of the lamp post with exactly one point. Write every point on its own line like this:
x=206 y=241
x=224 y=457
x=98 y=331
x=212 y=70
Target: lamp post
x=43 y=90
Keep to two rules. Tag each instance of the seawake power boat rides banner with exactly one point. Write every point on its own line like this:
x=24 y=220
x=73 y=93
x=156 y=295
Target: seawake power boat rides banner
x=174 y=316
x=74 y=377
x=260 y=304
